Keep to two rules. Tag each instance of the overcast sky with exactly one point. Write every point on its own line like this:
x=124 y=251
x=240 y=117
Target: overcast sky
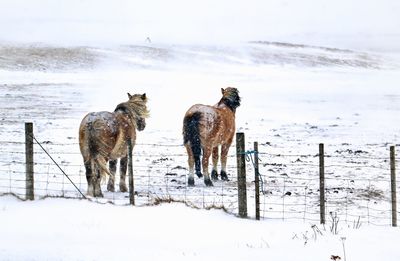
x=206 y=21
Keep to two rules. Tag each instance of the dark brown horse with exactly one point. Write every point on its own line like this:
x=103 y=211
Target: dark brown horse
x=205 y=128
x=103 y=138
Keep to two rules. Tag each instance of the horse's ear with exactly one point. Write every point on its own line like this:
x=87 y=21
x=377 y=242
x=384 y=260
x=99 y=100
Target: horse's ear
x=144 y=96
x=222 y=90
x=129 y=96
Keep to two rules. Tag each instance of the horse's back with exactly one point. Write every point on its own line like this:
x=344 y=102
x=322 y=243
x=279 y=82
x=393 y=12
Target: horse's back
x=215 y=124
x=96 y=133
x=206 y=110
x=207 y=115
x=98 y=122
x=101 y=116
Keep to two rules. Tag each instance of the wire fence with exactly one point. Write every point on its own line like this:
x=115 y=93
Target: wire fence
x=159 y=176
x=357 y=183
x=357 y=187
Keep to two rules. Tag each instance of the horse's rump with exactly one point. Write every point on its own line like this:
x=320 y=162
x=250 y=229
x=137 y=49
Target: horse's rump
x=97 y=134
x=191 y=135
x=191 y=132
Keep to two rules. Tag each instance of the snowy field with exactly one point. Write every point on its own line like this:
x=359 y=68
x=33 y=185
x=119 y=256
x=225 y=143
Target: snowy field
x=294 y=97
x=60 y=229
x=305 y=77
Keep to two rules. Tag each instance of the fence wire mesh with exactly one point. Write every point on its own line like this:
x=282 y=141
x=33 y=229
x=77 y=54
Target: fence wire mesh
x=357 y=184
x=357 y=187
x=157 y=176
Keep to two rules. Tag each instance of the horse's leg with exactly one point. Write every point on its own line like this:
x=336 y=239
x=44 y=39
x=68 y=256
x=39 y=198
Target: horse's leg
x=206 y=158
x=96 y=179
x=89 y=174
x=191 y=165
x=111 y=179
x=224 y=157
x=214 y=172
x=123 y=165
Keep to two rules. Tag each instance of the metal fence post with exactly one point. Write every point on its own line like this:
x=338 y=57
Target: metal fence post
x=130 y=173
x=393 y=185
x=256 y=181
x=29 y=183
x=241 y=174
x=322 y=183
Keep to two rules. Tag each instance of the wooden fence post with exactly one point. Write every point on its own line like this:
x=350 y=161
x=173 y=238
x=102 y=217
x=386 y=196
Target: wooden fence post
x=257 y=181
x=130 y=173
x=241 y=174
x=322 y=183
x=29 y=183
x=393 y=185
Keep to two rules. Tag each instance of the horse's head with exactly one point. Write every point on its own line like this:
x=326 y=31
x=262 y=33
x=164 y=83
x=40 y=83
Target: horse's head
x=138 y=103
x=140 y=123
x=231 y=98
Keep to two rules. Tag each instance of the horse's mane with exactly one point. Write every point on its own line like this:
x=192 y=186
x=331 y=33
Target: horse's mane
x=231 y=98
x=135 y=107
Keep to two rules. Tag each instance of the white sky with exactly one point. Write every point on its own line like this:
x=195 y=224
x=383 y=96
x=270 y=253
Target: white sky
x=207 y=21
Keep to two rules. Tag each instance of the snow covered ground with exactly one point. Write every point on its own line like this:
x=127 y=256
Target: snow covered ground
x=60 y=229
x=294 y=97
x=308 y=73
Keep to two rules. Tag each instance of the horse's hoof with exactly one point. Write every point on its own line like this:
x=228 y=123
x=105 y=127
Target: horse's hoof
x=191 y=182
x=90 y=192
x=123 y=188
x=99 y=195
x=110 y=188
x=224 y=176
x=208 y=182
x=199 y=174
x=214 y=175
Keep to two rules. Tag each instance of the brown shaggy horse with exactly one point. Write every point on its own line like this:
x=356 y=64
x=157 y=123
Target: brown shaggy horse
x=205 y=128
x=103 y=138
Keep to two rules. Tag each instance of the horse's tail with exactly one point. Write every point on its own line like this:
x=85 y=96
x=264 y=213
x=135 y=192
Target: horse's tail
x=191 y=135
x=101 y=163
x=97 y=161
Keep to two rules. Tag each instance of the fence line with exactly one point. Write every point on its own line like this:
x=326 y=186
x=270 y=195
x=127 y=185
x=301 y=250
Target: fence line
x=356 y=186
x=278 y=191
